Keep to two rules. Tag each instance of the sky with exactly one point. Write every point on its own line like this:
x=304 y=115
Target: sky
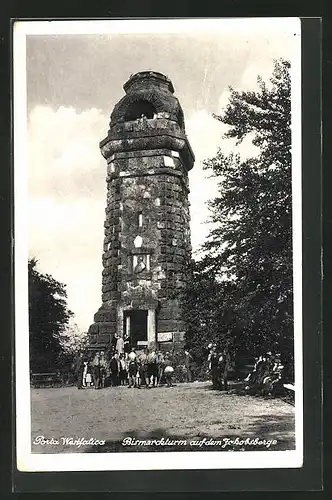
x=73 y=82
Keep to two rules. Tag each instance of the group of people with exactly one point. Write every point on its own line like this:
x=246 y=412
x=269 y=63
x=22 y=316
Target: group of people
x=151 y=368
x=266 y=376
x=146 y=368
x=91 y=372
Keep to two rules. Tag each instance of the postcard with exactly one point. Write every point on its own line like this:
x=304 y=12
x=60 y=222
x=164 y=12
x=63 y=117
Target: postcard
x=158 y=244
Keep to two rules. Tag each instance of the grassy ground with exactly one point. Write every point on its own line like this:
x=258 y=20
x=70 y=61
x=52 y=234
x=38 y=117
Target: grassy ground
x=184 y=412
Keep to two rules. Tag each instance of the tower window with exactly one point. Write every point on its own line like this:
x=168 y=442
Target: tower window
x=140 y=219
x=138 y=109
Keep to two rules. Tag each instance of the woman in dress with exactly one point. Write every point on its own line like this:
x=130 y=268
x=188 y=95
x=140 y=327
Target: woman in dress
x=88 y=377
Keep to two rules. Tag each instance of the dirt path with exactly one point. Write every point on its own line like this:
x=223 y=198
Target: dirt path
x=186 y=412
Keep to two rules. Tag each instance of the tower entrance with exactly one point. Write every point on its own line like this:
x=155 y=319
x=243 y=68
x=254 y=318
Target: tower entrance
x=136 y=327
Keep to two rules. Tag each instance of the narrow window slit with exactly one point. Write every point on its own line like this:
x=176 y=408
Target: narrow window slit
x=140 y=219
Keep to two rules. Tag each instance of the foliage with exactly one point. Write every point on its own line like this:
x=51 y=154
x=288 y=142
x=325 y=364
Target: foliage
x=48 y=319
x=72 y=341
x=242 y=290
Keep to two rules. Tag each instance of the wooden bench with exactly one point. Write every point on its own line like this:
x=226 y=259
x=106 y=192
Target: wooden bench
x=45 y=379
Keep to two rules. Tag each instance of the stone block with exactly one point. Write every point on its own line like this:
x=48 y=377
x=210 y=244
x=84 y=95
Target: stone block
x=163 y=318
x=165 y=325
x=103 y=338
x=177 y=346
x=105 y=316
x=106 y=328
x=93 y=338
x=93 y=329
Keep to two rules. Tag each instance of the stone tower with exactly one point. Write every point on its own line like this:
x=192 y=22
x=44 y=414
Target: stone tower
x=147 y=233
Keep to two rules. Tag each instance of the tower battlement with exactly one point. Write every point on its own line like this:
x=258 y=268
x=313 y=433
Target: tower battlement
x=148 y=77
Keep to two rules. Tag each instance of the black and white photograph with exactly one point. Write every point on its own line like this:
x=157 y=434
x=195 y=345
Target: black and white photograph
x=157 y=177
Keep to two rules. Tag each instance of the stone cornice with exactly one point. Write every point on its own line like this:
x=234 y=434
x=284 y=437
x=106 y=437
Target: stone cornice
x=150 y=173
x=138 y=142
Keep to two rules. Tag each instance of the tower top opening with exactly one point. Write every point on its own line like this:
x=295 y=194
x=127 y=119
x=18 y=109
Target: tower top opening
x=154 y=77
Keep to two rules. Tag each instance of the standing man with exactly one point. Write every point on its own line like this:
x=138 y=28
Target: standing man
x=160 y=366
x=96 y=370
x=79 y=367
x=188 y=364
x=143 y=368
x=224 y=367
x=214 y=367
x=114 y=368
x=103 y=369
x=126 y=346
x=119 y=346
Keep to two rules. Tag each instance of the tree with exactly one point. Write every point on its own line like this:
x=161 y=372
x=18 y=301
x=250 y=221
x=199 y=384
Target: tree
x=72 y=342
x=248 y=253
x=48 y=318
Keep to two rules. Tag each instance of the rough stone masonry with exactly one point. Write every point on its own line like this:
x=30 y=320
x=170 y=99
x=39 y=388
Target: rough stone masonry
x=147 y=226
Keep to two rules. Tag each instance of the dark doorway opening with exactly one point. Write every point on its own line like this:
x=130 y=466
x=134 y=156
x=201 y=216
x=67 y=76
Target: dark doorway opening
x=137 y=323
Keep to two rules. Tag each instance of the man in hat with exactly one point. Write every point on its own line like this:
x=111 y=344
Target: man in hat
x=213 y=360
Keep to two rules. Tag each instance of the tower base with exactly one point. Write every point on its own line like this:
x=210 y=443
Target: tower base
x=148 y=325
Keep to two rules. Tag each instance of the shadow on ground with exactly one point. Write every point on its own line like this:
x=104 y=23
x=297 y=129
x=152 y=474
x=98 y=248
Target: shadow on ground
x=238 y=388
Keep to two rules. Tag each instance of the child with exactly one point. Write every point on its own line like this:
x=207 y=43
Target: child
x=152 y=371
x=87 y=378
x=168 y=373
x=123 y=370
x=132 y=372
